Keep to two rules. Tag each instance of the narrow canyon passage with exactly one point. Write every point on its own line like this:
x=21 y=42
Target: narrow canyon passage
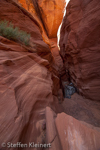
x=50 y=88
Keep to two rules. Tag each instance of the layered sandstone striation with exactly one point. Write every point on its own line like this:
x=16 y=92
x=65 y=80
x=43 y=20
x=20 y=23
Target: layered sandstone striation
x=80 y=46
x=31 y=108
x=28 y=80
x=25 y=90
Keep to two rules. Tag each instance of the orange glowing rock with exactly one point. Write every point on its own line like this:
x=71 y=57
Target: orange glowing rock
x=49 y=14
x=29 y=6
x=52 y=14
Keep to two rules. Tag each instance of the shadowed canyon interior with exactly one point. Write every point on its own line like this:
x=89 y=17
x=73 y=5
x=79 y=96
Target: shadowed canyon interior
x=49 y=92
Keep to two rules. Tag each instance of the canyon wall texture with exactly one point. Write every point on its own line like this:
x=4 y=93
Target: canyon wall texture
x=28 y=80
x=31 y=108
x=49 y=13
x=52 y=15
x=80 y=46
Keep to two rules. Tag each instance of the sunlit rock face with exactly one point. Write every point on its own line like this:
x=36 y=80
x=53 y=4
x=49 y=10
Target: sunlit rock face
x=31 y=7
x=80 y=46
x=52 y=14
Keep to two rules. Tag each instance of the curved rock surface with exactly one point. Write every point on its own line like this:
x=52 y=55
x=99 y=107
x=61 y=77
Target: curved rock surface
x=80 y=46
x=12 y=12
x=23 y=76
x=26 y=88
x=28 y=82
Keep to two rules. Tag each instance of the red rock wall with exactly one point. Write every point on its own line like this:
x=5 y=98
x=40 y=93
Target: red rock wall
x=31 y=7
x=49 y=14
x=27 y=80
x=80 y=46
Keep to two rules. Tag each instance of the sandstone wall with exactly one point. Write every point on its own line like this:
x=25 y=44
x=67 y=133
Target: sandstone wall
x=49 y=14
x=80 y=46
x=28 y=80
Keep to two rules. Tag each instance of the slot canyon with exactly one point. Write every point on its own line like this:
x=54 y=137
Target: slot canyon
x=50 y=88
